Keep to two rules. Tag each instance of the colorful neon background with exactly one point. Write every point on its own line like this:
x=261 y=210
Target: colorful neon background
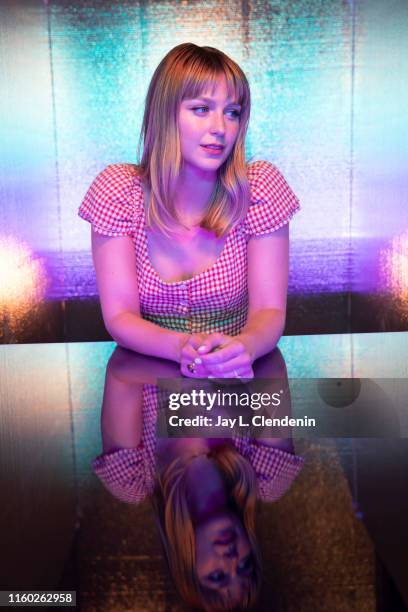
x=329 y=83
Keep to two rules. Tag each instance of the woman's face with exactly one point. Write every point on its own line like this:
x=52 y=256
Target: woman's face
x=210 y=119
x=223 y=554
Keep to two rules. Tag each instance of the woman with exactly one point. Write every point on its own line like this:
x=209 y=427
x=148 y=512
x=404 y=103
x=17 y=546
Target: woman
x=191 y=247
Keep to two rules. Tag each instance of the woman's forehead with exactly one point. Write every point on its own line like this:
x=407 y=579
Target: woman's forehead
x=207 y=88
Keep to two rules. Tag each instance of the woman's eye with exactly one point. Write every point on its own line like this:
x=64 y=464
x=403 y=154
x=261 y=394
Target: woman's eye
x=245 y=565
x=216 y=576
x=200 y=108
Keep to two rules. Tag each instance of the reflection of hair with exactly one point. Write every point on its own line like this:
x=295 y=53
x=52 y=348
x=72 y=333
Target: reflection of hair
x=177 y=532
x=186 y=72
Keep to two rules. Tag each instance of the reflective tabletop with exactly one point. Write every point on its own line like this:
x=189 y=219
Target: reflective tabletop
x=335 y=540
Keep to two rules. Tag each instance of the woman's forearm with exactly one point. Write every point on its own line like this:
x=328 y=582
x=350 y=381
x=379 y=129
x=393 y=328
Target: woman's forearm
x=262 y=332
x=132 y=332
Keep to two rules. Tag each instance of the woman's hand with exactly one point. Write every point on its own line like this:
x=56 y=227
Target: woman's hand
x=223 y=356
x=189 y=352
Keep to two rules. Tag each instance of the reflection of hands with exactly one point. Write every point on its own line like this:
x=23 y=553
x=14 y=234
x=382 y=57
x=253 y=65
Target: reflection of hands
x=188 y=385
x=224 y=356
x=129 y=366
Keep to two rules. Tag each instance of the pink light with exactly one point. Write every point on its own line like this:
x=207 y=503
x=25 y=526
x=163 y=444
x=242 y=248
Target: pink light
x=394 y=271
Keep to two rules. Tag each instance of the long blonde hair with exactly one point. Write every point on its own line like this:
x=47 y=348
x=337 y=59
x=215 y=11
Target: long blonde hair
x=186 y=72
x=177 y=532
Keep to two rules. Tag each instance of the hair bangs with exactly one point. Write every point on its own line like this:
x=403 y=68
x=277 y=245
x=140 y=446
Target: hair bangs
x=203 y=77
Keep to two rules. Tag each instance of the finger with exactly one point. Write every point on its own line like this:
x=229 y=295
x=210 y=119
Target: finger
x=242 y=374
x=196 y=340
x=191 y=369
x=240 y=363
x=246 y=374
x=226 y=353
x=188 y=352
x=211 y=342
x=185 y=371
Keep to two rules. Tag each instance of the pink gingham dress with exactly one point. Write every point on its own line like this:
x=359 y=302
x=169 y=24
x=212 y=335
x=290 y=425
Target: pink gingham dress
x=216 y=299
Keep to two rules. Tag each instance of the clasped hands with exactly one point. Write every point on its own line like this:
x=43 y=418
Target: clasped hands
x=215 y=355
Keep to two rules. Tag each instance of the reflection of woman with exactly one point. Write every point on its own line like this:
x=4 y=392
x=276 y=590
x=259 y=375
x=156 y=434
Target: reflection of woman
x=207 y=531
x=191 y=247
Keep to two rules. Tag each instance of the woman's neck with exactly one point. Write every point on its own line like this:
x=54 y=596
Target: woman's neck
x=210 y=497
x=193 y=193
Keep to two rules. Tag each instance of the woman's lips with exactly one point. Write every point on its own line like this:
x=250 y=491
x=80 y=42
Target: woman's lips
x=213 y=150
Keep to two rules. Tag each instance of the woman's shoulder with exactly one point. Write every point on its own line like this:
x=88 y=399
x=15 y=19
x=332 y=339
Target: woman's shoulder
x=272 y=203
x=264 y=175
x=114 y=200
x=258 y=167
x=127 y=473
x=275 y=468
x=118 y=177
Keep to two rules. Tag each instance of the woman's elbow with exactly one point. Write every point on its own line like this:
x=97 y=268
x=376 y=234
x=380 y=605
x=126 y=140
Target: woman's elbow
x=118 y=326
x=282 y=321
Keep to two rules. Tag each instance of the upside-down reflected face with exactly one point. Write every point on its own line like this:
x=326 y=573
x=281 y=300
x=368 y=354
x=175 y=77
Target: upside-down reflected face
x=224 y=559
x=208 y=128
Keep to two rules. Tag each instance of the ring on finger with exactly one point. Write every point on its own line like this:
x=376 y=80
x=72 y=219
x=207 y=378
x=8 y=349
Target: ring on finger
x=191 y=367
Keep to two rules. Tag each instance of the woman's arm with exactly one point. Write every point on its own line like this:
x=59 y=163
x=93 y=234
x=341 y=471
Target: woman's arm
x=115 y=266
x=268 y=265
x=268 y=269
x=121 y=417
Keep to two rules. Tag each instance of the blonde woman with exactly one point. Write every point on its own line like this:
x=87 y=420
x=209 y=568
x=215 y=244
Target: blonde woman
x=191 y=246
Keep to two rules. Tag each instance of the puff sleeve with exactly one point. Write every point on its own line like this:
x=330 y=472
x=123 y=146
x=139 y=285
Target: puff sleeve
x=125 y=474
x=275 y=468
x=111 y=204
x=273 y=202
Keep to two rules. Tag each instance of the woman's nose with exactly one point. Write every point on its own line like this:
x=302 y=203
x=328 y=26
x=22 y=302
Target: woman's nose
x=231 y=551
x=218 y=124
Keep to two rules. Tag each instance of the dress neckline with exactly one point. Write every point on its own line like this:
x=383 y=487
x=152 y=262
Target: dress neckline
x=149 y=264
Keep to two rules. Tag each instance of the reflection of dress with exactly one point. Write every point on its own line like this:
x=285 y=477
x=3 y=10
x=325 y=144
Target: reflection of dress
x=129 y=474
x=216 y=299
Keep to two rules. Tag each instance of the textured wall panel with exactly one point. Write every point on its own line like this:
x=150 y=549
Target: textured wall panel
x=380 y=152
x=29 y=202
x=329 y=89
